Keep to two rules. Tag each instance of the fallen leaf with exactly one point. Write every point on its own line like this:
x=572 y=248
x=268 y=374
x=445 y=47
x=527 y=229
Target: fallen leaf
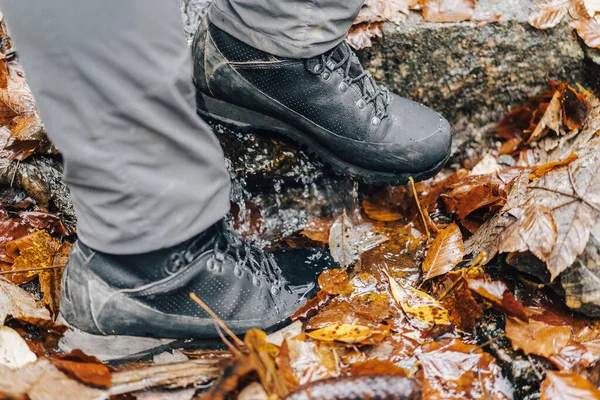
x=333 y=281
x=54 y=224
x=454 y=370
x=345 y=333
x=445 y=253
x=43 y=381
x=549 y=15
x=14 y=352
x=567 y=386
x=318 y=229
x=380 y=212
x=307 y=361
x=360 y=36
x=535 y=337
x=534 y=230
x=447 y=10
x=498 y=294
x=551 y=119
x=17 y=303
x=589 y=30
x=348 y=241
x=418 y=305
x=84 y=368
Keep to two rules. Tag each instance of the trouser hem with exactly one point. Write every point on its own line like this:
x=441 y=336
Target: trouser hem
x=264 y=42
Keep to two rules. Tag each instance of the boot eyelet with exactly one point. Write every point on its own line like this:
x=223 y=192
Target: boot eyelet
x=326 y=76
x=275 y=290
x=256 y=281
x=343 y=87
x=211 y=265
x=317 y=68
x=361 y=104
x=375 y=121
x=238 y=272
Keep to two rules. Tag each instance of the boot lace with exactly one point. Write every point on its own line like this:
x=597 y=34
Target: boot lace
x=249 y=259
x=353 y=73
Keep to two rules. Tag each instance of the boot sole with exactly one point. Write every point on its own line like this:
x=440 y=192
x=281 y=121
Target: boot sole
x=121 y=348
x=231 y=114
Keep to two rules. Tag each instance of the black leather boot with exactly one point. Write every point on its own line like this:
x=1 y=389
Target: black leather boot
x=121 y=301
x=328 y=104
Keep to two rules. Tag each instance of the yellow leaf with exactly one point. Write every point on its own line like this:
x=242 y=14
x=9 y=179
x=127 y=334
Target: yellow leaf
x=345 y=333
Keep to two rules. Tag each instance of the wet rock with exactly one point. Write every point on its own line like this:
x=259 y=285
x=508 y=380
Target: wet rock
x=474 y=73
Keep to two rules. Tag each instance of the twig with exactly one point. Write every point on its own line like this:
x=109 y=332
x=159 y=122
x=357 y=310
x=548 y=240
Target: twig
x=425 y=218
x=25 y=271
x=533 y=366
x=492 y=340
x=218 y=320
x=478 y=262
x=194 y=372
x=15 y=173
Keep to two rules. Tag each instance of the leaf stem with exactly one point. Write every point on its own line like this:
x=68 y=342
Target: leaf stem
x=218 y=320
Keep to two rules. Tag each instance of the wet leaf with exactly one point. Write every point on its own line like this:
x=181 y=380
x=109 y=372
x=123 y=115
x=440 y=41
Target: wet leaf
x=534 y=230
x=454 y=370
x=588 y=29
x=381 y=211
x=549 y=15
x=551 y=119
x=17 y=303
x=535 y=337
x=345 y=333
x=418 y=305
x=14 y=352
x=376 y=367
x=52 y=223
x=567 y=386
x=348 y=241
x=445 y=253
x=318 y=229
x=498 y=294
x=333 y=281
x=447 y=10
x=307 y=361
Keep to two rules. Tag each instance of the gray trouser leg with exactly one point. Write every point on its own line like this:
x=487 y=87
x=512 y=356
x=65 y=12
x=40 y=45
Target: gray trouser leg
x=113 y=81
x=287 y=28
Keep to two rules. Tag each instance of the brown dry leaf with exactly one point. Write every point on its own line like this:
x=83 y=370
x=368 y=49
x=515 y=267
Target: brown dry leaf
x=454 y=370
x=333 y=281
x=534 y=230
x=588 y=29
x=447 y=10
x=380 y=212
x=575 y=108
x=17 y=303
x=567 y=386
x=43 y=381
x=318 y=229
x=570 y=192
x=84 y=368
x=26 y=136
x=445 y=253
x=549 y=15
x=40 y=250
x=498 y=294
x=551 y=119
x=384 y=10
x=536 y=337
x=360 y=36
x=351 y=334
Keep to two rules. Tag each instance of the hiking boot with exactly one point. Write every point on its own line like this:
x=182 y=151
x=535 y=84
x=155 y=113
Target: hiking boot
x=109 y=297
x=329 y=104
